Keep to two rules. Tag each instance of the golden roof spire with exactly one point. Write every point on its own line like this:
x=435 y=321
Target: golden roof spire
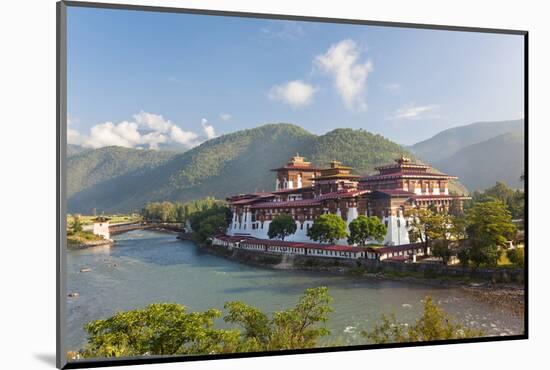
x=403 y=159
x=297 y=160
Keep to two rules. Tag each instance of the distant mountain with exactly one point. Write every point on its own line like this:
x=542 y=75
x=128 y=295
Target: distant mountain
x=481 y=165
x=234 y=163
x=449 y=142
x=86 y=168
x=75 y=149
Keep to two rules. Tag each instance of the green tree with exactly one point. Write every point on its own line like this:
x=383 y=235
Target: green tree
x=434 y=324
x=513 y=199
x=441 y=249
x=210 y=226
x=180 y=215
x=516 y=256
x=363 y=228
x=444 y=233
x=167 y=212
x=256 y=325
x=76 y=227
x=281 y=226
x=158 y=329
x=197 y=217
x=424 y=225
x=299 y=327
x=417 y=224
x=168 y=329
x=489 y=226
x=327 y=229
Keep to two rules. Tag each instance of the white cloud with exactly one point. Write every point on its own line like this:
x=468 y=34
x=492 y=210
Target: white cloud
x=412 y=111
x=392 y=87
x=73 y=137
x=153 y=121
x=147 y=130
x=296 y=93
x=124 y=134
x=350 y=76
x=187 y=138
x=225 y=116
x=208 y=129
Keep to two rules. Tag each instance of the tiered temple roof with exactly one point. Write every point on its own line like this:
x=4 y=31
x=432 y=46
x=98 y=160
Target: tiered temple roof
x=297 y=163
x=404 y=169
x=336 y=171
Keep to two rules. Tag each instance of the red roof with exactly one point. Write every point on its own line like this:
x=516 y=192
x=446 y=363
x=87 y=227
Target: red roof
x=395 y=192
x=297 y=167
x=249 y=198
x=306 y=245
x=408 y=174
x=342 y=194
x=401 y=165
x=232 y=239
x=440 y=196
x=295 y=203
x=395 y=248
x=297 y=190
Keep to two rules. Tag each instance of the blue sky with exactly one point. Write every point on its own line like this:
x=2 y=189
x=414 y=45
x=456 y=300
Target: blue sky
x=144 y=79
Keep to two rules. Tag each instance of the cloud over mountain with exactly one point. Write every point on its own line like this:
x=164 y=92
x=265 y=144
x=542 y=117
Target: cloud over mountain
x=146 y=130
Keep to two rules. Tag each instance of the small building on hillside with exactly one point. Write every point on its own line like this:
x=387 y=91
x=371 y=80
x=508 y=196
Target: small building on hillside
x=101 y=227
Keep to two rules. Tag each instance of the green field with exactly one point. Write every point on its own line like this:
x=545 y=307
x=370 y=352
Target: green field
x=114 y=219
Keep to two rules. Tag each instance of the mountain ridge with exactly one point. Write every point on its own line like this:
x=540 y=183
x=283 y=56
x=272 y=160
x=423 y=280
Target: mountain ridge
x=447 y=142
x=481 y=165
x=234 y=163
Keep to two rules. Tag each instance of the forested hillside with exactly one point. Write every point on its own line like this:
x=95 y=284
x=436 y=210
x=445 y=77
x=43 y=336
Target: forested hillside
x=233 y=163
x=86 y=168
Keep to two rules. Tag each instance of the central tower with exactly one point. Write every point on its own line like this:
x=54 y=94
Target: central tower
x=297 y=173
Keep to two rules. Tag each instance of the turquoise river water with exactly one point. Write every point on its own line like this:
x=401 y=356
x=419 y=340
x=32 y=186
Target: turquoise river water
x=145 y=267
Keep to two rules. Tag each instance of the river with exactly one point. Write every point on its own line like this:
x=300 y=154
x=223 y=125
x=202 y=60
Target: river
x=146 y=266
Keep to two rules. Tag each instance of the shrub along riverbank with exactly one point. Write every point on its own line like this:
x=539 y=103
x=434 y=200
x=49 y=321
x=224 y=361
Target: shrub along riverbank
x=169 y=329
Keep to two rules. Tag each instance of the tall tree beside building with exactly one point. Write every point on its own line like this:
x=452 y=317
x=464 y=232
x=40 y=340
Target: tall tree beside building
x=419 y=225
x=328 y=229
x=363 y=228
x=489 y=226
x=209 y=222
x=283 y=225
x=514 y=199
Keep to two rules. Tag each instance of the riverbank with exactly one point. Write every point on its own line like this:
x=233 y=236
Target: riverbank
x=146 y=266
x=500 y=287
x=72 y=244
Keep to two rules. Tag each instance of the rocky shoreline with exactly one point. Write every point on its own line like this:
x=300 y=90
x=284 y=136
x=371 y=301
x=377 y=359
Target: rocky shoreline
x=507 y=297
